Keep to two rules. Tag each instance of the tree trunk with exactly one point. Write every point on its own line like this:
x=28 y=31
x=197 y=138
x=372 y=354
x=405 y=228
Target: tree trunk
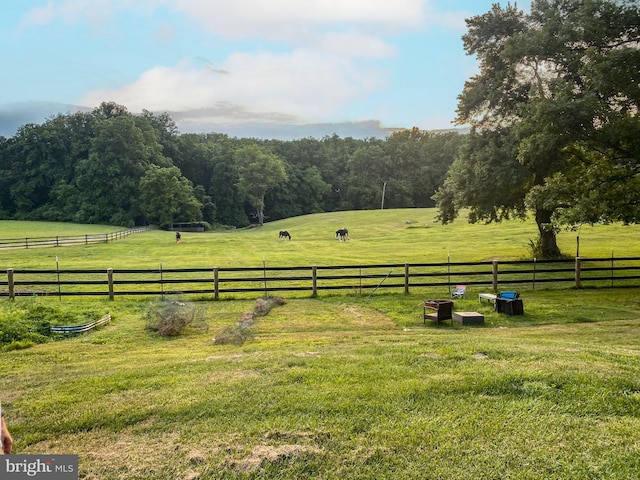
x=547 y=246
x=260 y=209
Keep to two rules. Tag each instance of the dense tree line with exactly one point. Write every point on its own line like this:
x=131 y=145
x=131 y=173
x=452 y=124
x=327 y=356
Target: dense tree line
x=109 y=166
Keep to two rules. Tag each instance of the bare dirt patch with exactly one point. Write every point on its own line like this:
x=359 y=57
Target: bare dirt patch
x=263 y=454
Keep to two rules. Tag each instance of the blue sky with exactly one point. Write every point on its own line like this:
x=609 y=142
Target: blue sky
x=264 y=68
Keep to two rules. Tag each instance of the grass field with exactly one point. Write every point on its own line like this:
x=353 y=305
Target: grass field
x=382 y=236
x=339 y=386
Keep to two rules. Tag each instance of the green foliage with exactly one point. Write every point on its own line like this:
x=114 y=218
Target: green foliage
x=542 y=88
x=258 y=172
x=18 y=345
x=485 y=177
x=32 y=324
x=167 y=197
x=97 y=168
x=593 y=189
x=24 y=325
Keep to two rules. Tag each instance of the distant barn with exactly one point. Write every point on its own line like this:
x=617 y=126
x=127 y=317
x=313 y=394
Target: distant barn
x=188 y=227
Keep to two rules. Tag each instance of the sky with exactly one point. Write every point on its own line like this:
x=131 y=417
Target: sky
x=248 y=68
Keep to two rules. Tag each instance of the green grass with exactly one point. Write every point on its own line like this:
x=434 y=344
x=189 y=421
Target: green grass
x=382 y=236
x=20 y=229
x=340 y=386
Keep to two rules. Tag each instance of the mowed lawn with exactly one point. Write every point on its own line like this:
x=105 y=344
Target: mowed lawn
x=338 y=386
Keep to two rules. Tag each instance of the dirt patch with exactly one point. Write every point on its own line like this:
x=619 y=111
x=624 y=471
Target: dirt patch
x=263 y=454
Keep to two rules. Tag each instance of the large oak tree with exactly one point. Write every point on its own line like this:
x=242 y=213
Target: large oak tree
x=555 y=100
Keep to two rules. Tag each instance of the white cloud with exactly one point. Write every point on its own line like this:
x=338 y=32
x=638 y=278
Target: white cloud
x=353 y=44
x=314 y=57
x=39 y=16
x=302 y=84
x=165 y=33
x=290 y=19
x=447 y=19
x=72 y=11
x=247 y=18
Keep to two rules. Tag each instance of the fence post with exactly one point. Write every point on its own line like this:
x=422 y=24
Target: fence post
x=612 y=268
x=12 y=291
x=314 y=280
x=494 y=268
x=216 y=288
x=406 y=278
x=110 y=281
x=534 y=273
x=577 y=272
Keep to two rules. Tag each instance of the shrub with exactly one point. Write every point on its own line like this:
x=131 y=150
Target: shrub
x=170 y=318
x=30 y=323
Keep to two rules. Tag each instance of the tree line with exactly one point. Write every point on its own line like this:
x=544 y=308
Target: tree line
x=109 y=166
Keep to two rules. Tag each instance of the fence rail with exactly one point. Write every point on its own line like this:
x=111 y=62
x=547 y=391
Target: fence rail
x=311 y=280
x=75 y=329
x=59 y=241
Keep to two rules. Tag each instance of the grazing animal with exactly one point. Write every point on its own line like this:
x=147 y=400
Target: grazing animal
x=342 y=234
x=284 y=234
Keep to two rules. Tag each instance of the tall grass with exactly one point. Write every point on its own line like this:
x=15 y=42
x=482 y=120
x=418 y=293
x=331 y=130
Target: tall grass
x=340 y=386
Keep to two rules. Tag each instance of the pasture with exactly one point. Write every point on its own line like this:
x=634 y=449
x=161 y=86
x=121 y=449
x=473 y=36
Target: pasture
x=380 y=236
x=340 y=386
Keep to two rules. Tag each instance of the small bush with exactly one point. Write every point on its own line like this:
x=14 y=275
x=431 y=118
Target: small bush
x=34 y=321
x=170 y=318
x=30 y=322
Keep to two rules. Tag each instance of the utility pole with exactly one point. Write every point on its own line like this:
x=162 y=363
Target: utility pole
x=384 y=188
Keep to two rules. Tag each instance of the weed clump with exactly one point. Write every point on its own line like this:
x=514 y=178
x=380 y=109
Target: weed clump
x=170 y=318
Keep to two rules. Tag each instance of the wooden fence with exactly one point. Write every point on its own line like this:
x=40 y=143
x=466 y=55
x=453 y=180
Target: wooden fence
x=58 y=241
x=232 y=282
